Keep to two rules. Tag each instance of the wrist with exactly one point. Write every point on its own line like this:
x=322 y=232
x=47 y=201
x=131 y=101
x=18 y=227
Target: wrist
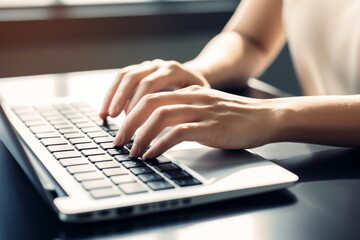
x=197 y=67
x=285 y=119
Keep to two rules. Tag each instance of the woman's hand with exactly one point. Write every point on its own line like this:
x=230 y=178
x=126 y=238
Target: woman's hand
x=136 y=81
x=195 y=113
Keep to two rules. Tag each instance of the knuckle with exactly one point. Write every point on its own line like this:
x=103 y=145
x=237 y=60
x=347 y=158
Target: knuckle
x=220 y=105
x=148 y=99
x=121 y=72
x=161 y=112
x=180 y=131
x=173 y=65
x=120 y=76
x=128 y=77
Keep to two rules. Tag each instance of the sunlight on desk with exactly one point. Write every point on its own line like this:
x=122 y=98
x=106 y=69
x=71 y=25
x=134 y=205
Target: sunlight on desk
x=88 y=86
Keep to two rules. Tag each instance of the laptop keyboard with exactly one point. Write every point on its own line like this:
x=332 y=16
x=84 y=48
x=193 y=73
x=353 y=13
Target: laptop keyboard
x=82 y=143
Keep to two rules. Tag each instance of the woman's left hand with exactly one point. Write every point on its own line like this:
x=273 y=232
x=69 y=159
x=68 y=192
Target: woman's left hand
x=195 y=113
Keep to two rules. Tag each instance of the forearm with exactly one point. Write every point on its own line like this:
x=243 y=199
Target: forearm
x=227 y=57
x=249 y=42
x=331 y=120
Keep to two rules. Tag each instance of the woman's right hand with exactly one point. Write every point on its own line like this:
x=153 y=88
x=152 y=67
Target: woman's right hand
x=136 y=81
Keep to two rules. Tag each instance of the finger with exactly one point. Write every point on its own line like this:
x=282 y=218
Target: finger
x=162 y=118
x=145 y=108
x=127 y=86
x=104 y=111
x=154 y=82
x=149 y=103
x=184 y=132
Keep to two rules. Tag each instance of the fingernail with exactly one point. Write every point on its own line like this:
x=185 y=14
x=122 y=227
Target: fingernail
x=112 y=110
x=149 y=154
x=135 y=150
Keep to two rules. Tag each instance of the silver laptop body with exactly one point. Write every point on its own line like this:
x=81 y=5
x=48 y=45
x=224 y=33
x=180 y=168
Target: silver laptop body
x=181 y=178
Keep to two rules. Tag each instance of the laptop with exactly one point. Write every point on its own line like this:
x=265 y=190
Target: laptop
x=67 y=153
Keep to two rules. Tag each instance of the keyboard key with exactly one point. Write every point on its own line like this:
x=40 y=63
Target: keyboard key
x=132 y=188
x=149 y=177
x=55 y=117
x=22 y=109
x=58 y=121
x=73 y=161
x=176 y=174
x=68 y=130
x=167 y=167
x=122 y=158
x=104 y=193
x=106 y=146
x=81 y=168
x=100 y=158
x=83 y=146
x=90 y=129
x=72 y=115
x=113 y=133
x=133 y=163
x=62 y=106
x=97 y=134
x=62 y=125
x=95 y=184
x=34 y=123
x=107 y=164
x=94 y=117
x=114 y=171
x=67 y=109
x=91 y=152
x=110 y=127
x=117 y=151
x=50 y=113
x=60 y=148
x=79 y=120
x=129 y=145
x=184 y=182
x=30 y=117
x=53 y=141
x=47 y=135
x=80 y=140
x=73 y=135
x=88 y=176
x=66 y=154
x=99 y=122
x=154 y=162
x=41 y=129
x=103 y=140
x=122 y=179
x=141 y=170
x=85 y=124
x=159 y=185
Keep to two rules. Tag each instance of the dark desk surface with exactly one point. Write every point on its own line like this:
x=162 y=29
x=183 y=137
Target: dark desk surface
x=324 y=204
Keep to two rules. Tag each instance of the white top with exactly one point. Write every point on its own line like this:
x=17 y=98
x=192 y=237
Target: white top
x=324 y=40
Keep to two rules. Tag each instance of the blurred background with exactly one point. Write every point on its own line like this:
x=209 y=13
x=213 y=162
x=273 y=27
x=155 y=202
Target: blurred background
x=59 y=36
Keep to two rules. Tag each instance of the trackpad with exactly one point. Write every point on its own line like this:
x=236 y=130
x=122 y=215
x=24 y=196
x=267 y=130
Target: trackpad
x=217 y=164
